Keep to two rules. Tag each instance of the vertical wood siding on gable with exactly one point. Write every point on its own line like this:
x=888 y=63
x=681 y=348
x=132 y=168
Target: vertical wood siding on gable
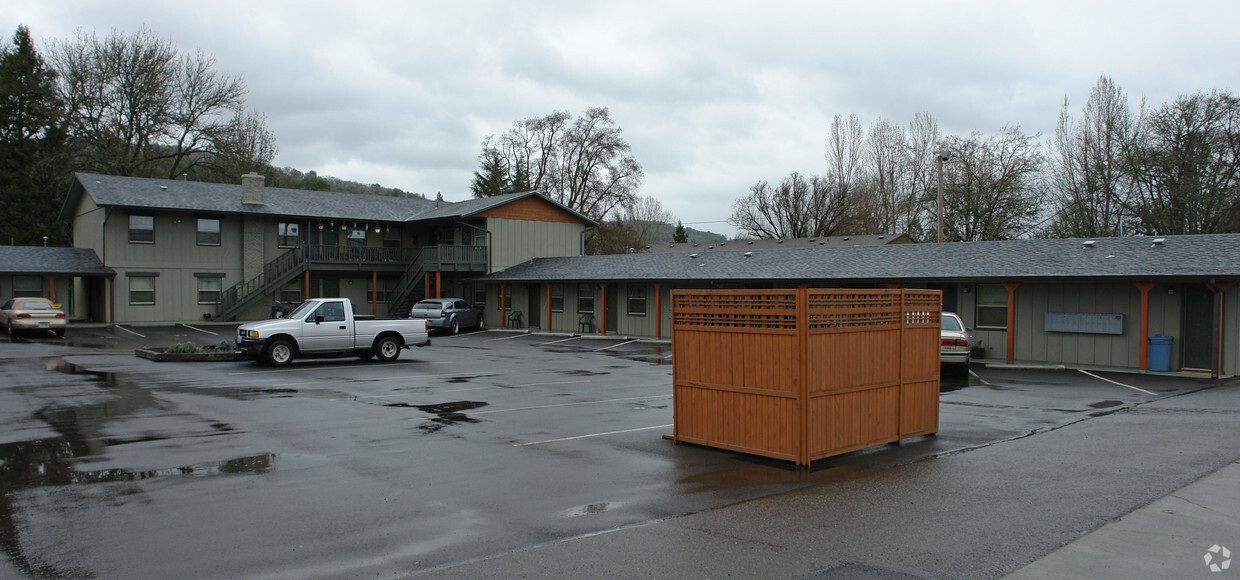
x=531 y=209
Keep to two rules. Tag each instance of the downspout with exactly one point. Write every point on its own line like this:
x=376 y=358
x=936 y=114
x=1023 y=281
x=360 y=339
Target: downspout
x=582 y=240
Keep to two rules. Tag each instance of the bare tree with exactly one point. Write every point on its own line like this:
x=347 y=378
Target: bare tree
x=583 y=163
x=1186 y=167
x=796 y=208
x=243 y=146
x=134 y=102
x=1089 y=174
x=638 y=224
x=993 y=188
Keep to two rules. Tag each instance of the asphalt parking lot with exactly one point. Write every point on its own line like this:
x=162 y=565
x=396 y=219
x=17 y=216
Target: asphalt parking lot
x=480 y=445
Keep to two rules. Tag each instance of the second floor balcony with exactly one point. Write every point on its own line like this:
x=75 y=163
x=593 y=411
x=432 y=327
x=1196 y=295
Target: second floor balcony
x=434 y=258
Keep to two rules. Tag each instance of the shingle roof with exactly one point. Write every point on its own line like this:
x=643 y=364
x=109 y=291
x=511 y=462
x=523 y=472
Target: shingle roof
x=824 y=243
x=1197 y=256
x=137 y=192
x=38 y=260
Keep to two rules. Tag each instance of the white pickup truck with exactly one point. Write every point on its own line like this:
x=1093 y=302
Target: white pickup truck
x=328 y=327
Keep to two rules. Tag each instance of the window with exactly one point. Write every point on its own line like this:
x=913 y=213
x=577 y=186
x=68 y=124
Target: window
x=290 y=292
x=480 y=295
x=330 y=311
x=391 y=237
x=991 y=306
x=288 y=235
x=209 y=289
x=637 y=300
x=357 y=238
x=585 y=298
x=30 y=286
x=557 y=298
x=208 y=232
x=141 y=229
x=382 y=294
x=141 y=290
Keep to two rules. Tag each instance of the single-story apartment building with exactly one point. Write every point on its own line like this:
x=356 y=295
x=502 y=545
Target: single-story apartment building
x=54 y=273
x=1071 y=301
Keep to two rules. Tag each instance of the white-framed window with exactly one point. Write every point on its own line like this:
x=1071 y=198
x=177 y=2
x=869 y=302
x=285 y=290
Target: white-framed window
x=141 y=290
x=209 y=288
x=480 y=295
x=141 y=229
x=992 y=301
x=290 y=292
x=28 y=286
x=585 y=298
x=637 y=300
x=382 y=294
x=208 y=232
x=288 y=235
x=557 y=298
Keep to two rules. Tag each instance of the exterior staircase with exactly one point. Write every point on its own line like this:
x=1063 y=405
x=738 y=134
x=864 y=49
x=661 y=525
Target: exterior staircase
x=409 y=289
x=278 y=272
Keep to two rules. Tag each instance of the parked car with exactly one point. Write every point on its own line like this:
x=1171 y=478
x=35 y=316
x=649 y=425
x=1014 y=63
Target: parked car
x=954 y=342
x=328 y=327
x=21 y=314
x=448 y=314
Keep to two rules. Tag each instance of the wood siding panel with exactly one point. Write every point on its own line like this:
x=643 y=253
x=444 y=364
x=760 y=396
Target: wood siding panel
x=534 y=209
x=870 y=360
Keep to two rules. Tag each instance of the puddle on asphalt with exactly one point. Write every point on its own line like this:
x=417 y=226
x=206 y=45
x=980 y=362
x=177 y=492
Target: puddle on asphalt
x=591 y=509
x=1106 y=404
x=445 y=414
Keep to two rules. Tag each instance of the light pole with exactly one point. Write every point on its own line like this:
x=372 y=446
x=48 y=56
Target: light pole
x=941 y=156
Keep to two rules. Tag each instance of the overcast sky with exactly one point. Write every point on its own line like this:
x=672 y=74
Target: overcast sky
x=713 y=96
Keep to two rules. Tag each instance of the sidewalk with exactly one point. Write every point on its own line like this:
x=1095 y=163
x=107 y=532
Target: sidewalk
x=1169 y=538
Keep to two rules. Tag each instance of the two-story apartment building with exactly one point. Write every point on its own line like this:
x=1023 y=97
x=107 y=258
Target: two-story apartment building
x=187 y=251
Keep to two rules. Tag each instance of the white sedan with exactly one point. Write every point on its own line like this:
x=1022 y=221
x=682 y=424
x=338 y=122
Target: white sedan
x=954 y=343
x=21 y=314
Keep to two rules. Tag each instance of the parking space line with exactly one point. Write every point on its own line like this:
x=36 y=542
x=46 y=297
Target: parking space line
x=1116 y=383
x=509 y=337
x=561 y=340
x=589 y=436
x=615 y=345
x=979 y=377
x=201 y=330
x=569 y=404
x=129 y=331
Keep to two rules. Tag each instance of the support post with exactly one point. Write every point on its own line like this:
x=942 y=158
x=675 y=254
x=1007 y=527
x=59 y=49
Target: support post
x=602 y=324
x=1011 y=319
x=438 y=286
x=658 y=310
x=548 y=327
x=305 y=291
x=374 y=293
x=503 y=307
x=1143 y=357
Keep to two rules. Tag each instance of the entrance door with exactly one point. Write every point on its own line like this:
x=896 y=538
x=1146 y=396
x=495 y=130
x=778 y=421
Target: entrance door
x=613 y=306
x=534 y=310
x=1197 y=344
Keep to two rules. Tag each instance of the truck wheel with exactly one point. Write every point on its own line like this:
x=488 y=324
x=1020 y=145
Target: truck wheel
x=280 y=352
x=387 y=348
x=454 y=326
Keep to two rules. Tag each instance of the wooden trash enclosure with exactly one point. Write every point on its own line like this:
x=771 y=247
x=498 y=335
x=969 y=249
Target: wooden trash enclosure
x=804 y=374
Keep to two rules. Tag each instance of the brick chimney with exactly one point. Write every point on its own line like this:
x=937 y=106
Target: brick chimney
x=252 y=189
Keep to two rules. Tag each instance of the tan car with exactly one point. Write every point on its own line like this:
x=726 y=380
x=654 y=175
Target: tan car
x=26 y=314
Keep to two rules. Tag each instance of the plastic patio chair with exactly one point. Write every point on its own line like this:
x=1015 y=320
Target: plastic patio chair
x=585 y=323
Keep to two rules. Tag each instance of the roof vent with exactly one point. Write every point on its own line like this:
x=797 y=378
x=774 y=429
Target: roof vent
x=695 y=245
x=748 y=254
x=846 y=239
x=163 y=187
x=723 y=243
x=882 y=237
x=671 y=245
x=750 y=242
x=812 y=240
x=710 y=247
x=780 y=241
x=1089 y=243
x=693 y=256
x=1159 y=242
x=822 y=243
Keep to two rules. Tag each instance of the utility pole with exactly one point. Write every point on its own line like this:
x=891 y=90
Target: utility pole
x=941 y=156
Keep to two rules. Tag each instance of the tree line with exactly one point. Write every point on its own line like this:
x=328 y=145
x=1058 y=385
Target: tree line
x=124 y=104
x=1109 y=170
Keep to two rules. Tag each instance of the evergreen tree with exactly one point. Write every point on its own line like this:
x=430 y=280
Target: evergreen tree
x=492 y=179
x=680 y=236
x=31 y=146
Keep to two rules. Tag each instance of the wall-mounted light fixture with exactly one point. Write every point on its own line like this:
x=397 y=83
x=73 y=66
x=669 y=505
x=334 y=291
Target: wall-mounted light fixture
x=1171 y=291
x=966 y=289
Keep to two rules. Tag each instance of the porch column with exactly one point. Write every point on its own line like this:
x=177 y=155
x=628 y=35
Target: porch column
x=305 y=294
x=374 y=293
x=658 y=310
x=603 y=319
x=548 y=327
x=503 y=307
x=438 y=287
x=112 y=299
x=1011 y=319
x=1219 y=288
x=51 y=281
x=1143 y=357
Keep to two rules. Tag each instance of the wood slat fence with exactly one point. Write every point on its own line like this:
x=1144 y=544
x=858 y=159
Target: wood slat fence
x=804 y=374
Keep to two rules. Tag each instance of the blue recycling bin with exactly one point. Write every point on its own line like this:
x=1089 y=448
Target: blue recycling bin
x=1160 y=352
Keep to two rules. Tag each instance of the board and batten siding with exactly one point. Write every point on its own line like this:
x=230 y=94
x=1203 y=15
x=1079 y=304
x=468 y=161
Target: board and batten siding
x=514 y=241
x=88 y=222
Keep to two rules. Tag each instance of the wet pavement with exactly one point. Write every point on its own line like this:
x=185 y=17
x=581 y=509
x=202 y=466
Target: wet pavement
x=480 y=446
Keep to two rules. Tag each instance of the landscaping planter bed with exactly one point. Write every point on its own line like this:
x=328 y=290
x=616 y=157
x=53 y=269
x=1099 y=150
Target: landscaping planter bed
x=158 y=355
